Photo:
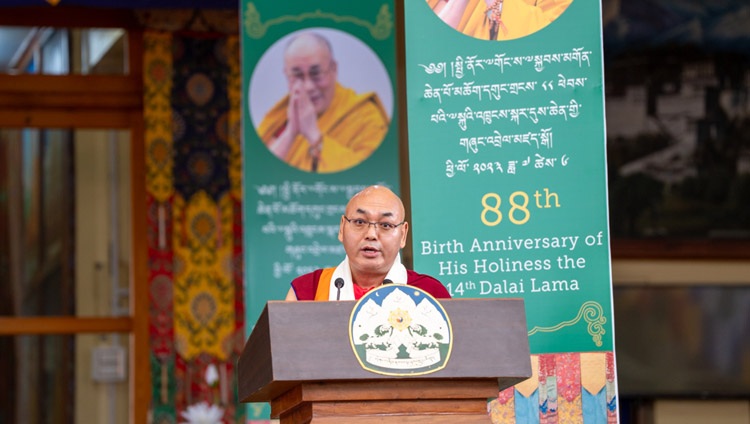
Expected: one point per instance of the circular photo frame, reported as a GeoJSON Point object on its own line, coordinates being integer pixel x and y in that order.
{"type": "Point", "coordinates": [498, 19]}
{"type": "Point", "coordinates": [342, 79]}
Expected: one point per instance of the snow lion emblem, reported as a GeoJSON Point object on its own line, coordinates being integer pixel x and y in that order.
{"type": "Point", "coordinates": [400, 330]}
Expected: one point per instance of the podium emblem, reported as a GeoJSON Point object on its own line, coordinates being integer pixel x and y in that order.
{"type": "Point", "coordinates": [400, 330]}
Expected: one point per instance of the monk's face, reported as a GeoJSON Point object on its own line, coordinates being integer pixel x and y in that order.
{"type": "Point", "coordinates": [371, 251]}
{"type": "Point", "coordinates": [309, 67]}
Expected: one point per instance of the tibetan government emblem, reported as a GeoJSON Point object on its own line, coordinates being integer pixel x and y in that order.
{"type": "Point", "coordinates": [400, 330]}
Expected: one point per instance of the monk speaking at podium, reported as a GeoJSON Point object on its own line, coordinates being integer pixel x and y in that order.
{"type": "Point", "coordinates": [320, 125]}
{"type": "Point", "coordinates": [373, 230]}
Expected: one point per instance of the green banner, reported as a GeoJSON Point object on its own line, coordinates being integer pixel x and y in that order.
{"type": "Point", "coordinates": [512, 131]}
{"type": "Point", "coordinates": [319, 124]}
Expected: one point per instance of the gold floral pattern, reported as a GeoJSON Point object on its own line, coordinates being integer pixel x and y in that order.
{"type": "Point", "coordinates": [203, 285]}
{"type": "Point", "coordinates": [157, 113]}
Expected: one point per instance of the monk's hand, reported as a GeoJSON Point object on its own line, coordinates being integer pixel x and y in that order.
{"type": "Point", "coordinates": [308, 122]}
{"type": "Point", "coordinates": [281, 145]}
{"type": "Point", "coordinates": [292, 114]}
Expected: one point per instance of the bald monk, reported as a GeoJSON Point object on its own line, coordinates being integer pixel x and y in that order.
{"type": "Point", "coordinates": [373, 230]}
{"type": "Point", "coordinates": [321, 126]}
{"type": "Point", "coordinates": [498, 19]}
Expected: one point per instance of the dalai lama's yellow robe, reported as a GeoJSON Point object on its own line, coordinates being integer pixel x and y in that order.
{"type": "Point", "coordinates": [353, 126]}
{"type": "Point", "coordinates": [520, 17]}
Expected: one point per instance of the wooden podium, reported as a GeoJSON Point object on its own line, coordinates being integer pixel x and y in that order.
{"type": "Point", "coordinates": [299, 358]}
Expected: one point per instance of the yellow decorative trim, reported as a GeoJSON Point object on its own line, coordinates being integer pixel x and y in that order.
{"type": "Point", "coordinates": [593, 371]}
{"type": "Point", "coordinates": [234, 91]}
{"type": "Point", "coordinates": [570, 411]}
{"type": "Point", "coordinates": [255, 28]}
{"type": "Point", "coordinates": [204, 291]}
{"type": "Point", "coordinates": [157, 113]}
{"type": "Point", "coordinates": [592, 312]}
{"type": "Point", "coordinates": [500, 413]}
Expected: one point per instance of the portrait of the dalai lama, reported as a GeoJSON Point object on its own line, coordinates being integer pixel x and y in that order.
{"type": "Point", "coordinates": [320, 124]}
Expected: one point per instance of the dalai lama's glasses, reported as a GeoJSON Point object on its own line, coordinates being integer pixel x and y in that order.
{"type": "Point", "coordinates": [315, 74]}
{"type": "Point", "coordinates": [360, 224]}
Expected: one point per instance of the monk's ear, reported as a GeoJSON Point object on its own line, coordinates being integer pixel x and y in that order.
{"type": "Point", "coordinates": [405, 231]}
{"type": "Point", "coordinates": [341, 229]}
{"type": "Point", "coordinates": [334, 67]}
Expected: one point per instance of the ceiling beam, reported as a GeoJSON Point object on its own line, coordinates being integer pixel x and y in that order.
{"type": "Point", "coordinates": [68, 17]}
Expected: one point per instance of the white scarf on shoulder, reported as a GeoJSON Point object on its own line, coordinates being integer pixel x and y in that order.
{"type": "Point", "coordinates": [397, 275]}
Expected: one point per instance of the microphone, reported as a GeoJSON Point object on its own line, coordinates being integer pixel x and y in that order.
{"type": "Point", "coordinates": [339, 283]}
{"type": "Point", "coordinates": [387, 281]}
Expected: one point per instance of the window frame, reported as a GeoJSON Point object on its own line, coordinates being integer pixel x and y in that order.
{"type": "Point", "coordinates": [92, 102]}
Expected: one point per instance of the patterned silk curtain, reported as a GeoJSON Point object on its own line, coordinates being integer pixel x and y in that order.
{"type": "Point", "coordinates": [193, 164]}
{"type": "Point", "coordinates": [564, 388]}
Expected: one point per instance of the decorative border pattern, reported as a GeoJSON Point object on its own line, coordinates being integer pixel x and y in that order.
{"type": "Point", "coordinates": [255, 28]}
{"type": "Point", "coordinates": [592, 312]}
